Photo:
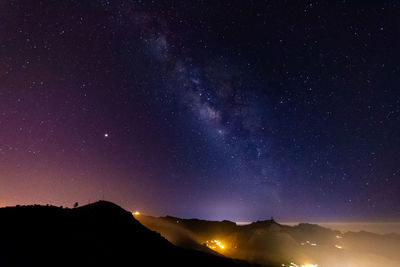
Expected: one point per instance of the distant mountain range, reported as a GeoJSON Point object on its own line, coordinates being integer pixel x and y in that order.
{"type": "Point", "coordinates": [99, 234]}
{"type": "Point", "coordinates": [267, 242]}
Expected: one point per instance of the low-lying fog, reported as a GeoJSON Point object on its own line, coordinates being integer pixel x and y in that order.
{"type": "Point", "coordinates": [373, 227]}
{"type": "Point", "coordinates": [379, 228]}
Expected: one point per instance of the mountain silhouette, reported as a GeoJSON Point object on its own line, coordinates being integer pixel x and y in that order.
{"type": "Point", "coordinates": [99, 234]}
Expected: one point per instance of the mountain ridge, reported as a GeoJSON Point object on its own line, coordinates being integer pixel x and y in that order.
{"type": "Point", "coordinates": [98, 234]}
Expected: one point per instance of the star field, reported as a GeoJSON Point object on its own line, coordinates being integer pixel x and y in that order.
{"type": "Point", "coordinates": [235, 110]}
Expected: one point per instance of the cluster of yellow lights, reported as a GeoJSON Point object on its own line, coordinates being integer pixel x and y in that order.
{"type": "Point", "coordinates": [308, 243]}
{"type": "Point", "coordinates": [136, 213]}
{"type": "Point", "coordinates": [214, 244]}
{"type": "Point", "coordinates": [339, 247]}
{"type": "Point", "coordinates": [292, 264]}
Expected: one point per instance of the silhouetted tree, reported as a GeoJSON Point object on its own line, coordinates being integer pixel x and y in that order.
{"type": "Point", "coordinates": [76, 204]}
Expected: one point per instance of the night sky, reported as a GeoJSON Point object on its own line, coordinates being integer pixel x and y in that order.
{"type": "Point", "coordinates": [228, 109]}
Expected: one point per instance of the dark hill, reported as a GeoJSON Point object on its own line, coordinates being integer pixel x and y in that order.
{"type": "Point", "coordinates": [100, 234]}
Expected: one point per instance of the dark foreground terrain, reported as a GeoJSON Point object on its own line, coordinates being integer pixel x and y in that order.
{"type": "Point", "coordinates": [100, 234]}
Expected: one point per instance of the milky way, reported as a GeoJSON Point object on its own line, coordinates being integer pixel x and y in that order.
{"type": "Point", "coordinates": [236, 110]}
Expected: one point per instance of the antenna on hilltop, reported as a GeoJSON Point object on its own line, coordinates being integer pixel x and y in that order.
{"type": "Point", "coordinates": [102, 192]}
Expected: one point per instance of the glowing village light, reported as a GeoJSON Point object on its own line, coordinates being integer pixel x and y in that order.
{"type": "Point", "coordinates": [215, 244]}
{"type": "Point", "coordinates": [292, 264]}
{"type": "Point", "coordinates": [339, 247]}
{"type": "Point", "coordinates": [308, 243]}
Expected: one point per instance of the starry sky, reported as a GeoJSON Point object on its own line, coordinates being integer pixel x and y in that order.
{"type": "Point", "coordinates": [229, 109]}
